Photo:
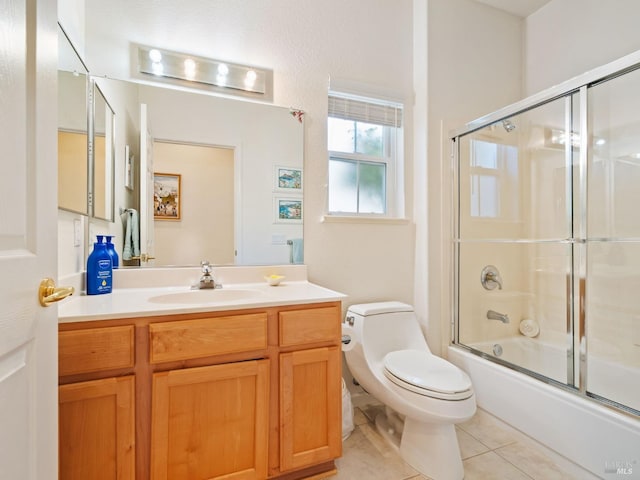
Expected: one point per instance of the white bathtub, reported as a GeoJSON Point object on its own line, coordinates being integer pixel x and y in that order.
{"type": "Point", "coordinates": [597, 438]}
{"type": "Point", "coordinates": [541, 357]}
{"type": "Point", "coordinates": [609, 379]}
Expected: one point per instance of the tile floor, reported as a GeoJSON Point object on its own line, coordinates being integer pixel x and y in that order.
{"type": "Point", "coordinates": [490, 450]}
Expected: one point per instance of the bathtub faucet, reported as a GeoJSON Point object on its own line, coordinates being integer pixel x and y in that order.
{"type": "Point", "coordinates": [493, 315]}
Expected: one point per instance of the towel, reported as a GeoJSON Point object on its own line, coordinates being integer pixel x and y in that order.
{"type": "Point", "coordinates": [297, 251]}
{"type": "Point", "coordinates": [131, 247]}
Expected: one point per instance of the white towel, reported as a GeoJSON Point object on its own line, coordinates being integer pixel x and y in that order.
{"type": "Point", "coordinates": [131, 247]}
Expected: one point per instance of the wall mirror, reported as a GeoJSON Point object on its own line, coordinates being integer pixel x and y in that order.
{"type": "Point", "coordinates": [239, 199]}
{"type": "Point", "coordinates": [101, 154]}
{"type": "Point", "coordinates": [72, 128]}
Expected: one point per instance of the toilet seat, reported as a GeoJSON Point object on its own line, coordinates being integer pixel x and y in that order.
{"type": "Point", "coordinates": [426, 374]}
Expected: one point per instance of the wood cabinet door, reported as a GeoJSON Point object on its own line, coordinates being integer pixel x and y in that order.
{"type": "Point", "coordinates": [97, 430]}
{"type": "Point", "coordinates": [310, 407]}
{"type": "Point", "coordinates": [211, 422]}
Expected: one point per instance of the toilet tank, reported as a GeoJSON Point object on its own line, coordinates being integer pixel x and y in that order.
{"type": "Point", "coordinates": [386, 327]}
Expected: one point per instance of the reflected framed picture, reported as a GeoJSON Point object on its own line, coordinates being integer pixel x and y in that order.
{"type": "Point", "coordinates": [287, 209]}
{"type": "Point", "coordinates": [288, 179]}
{"type": "Point", "coordinates": [166, 196]}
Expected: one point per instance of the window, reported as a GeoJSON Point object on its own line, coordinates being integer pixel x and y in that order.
{"type": "Point", "coordinates": [494, 175]}
{"type": "Point", "coordinates": [365, 144]}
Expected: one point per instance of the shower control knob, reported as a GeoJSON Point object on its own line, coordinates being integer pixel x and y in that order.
{"type": "Point", "coordinates": [490, 278]}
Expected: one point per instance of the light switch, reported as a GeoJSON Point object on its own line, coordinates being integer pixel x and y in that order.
{"type": "Point", "coordinates": [278, 239]}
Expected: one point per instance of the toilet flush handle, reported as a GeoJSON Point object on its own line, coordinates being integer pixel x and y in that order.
{"type": "Point", "coordinates": [350, 320]}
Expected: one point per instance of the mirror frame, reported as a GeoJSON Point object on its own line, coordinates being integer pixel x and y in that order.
{"type": "Point", "coordinates": [109, 145]}
{"type": "Point", "coordinates": [80, 63]}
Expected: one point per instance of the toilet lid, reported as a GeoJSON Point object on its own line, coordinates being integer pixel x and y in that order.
{"type": "Point", "coordinates": [425, 370]}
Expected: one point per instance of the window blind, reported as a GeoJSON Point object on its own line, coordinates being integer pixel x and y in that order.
{"type": "Point", "coordinates": [379, 113]}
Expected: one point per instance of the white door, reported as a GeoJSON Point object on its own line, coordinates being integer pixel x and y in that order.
{"type": "Point", "coordinates": [28, 233]}
{"type": "Point", "coordinates": [147, 206]}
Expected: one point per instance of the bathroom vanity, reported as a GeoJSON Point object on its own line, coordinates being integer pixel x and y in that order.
{"type": "Point", "coordinates": [235, 389]}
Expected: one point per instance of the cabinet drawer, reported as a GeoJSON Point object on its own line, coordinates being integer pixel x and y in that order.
{"type": "Point", "coordinates": [95, 349]}
{"type": "Point", "coordinates": [205, 337]}
{"type": "Point", "coordinates": [299, 327]}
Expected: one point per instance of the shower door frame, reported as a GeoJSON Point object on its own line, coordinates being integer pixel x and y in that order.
{"type": "Point", "coordinates": [576, 286]}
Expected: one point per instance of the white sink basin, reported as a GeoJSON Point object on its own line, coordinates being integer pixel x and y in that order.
{"type": "Point", "coordinates": [205, 296]}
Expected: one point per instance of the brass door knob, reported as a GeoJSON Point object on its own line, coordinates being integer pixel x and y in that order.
{"type": "Point", "coordinates": [48, 293]}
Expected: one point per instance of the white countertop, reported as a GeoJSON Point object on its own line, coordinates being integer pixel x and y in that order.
{"type": "Point", "coordinates": [143, 302]}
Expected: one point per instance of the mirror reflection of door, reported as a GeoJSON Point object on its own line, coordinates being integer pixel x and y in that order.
{"type": "Point", "coordinates": [205, 230]}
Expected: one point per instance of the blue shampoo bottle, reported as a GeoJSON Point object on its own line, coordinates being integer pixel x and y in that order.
{"type": "Point", "coordinates": [99, 269]}
{"type": "Point", "coordinates": [111, 248]}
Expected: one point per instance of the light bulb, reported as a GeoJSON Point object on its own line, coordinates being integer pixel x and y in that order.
{"type": "Point", "coordinates": [223, 70]}
{"type": "Point", "coordinates": [155, 55]}
{"type": "Point", "coordinates": [157, 68]}
{"type": "Point", "coordinates": [250, 78]}
{"type": "Point", "coordinates": [190, 68]}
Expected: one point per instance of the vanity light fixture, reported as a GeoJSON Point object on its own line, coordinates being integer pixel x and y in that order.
{"type": "Point", "coordinates": [201, 72]}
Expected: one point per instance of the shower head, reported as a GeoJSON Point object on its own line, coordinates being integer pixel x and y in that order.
{"type": "Point", "coordinates": [508, 125]}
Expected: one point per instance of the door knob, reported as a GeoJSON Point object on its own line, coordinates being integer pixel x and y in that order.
{"type": "Point", "coordinates": [48, 293]}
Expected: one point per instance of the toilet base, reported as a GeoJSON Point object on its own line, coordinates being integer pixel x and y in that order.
{"type": "Point", "coordinates": [432, 449]}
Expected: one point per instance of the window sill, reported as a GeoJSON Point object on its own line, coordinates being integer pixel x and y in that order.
{"type": "Point", "coordinates": [362, 219]}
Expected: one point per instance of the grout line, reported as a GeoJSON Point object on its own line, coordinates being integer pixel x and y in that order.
{"type": "Point", "coordinates": [515, 466]}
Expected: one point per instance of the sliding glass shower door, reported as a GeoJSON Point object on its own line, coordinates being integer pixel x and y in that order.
{"type": "Point", "coordinates": [547, 238]}
{"type": "Point", "coordinates": [516, 196]}
{"type": "Point", "coordinates": [613, 244]}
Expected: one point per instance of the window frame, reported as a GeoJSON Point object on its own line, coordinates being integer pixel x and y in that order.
{"type": "Point", "coordinates": [391, 159]}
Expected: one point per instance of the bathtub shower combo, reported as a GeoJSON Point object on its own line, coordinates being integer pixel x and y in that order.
{"type": "Point", "coordinates": [547, 265]}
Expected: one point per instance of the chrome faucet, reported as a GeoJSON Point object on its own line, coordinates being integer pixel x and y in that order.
{"type": "Point", "coordinates": [207, 280]}
{"type": "Point", "coordinates": [493, 315]}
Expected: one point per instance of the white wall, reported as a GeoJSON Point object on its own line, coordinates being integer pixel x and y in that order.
{"type": "Point", "coordinates": [71, 17]}
{"type": "Point", "coordinates": [474, 67]}
{"type": "Point", "coordinates": [568, 37]}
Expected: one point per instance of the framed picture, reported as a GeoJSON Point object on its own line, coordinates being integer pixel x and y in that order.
{"type": "Point", "coordinates": [287, 209]}
{"type": "Point", "coordinates": [166, 196]}
{"type": "Point", "coordinates": [288, 179]}
{"type": "Point", "coordinates": [128, 168]}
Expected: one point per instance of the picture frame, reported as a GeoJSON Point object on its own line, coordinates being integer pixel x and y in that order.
{"type": "Point", "coordinates": [129, 169]}
{"type": "Point", "coordinates": [287, 209]}
{"type": "Point", "coordinates": [167, 195]}
{"type": "Point", "coordinates": [287, 179]}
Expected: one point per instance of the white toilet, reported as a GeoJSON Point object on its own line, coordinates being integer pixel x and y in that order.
{"type": "Point", "coordinates": [424, 394]}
